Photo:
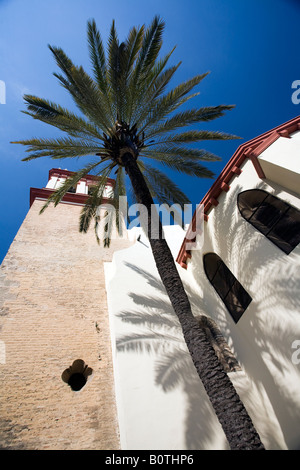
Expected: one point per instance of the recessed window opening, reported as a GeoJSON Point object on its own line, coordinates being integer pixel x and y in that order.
{"type": "Point", "coordinates": [226, 285]}
{"type": "Point", "coordinates": [76, 375]}
{"type": "Point", "coordinates": [273, 217]}
{"type": "Point", "coordinates": [91, 189]}
{"type": "Point", "coordinates": [77, 381]}
{"type": "Point", "coordinates": [72, 190]}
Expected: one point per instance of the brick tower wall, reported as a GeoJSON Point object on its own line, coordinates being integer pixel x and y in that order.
{"type": "Point", "coordinates": [54, 311]}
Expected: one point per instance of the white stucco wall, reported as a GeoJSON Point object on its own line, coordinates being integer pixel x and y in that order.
{"type": "Point", "coordinates": [52, 182]}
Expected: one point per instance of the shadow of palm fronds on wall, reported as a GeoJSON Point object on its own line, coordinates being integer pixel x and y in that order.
{"type": "Point", "coordinates": [161, 334]}
{"type": "Point", "coordinates": [263, 337]}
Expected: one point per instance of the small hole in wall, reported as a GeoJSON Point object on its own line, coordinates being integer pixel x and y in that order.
{"type": "Point", "coordinates": [77, 381]}
{"type": "Point", "coordinates": [76, 375]}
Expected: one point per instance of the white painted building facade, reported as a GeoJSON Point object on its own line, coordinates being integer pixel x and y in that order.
{"type": "Point", "coordinates": [160, 400]}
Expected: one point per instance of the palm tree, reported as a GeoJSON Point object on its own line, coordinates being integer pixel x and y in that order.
{"type": "Point", "coordinates": [129, 116]}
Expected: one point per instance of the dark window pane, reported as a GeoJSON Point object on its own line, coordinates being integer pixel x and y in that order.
{"type": "Point", "coordinates": [72, 190]}
{"type": "Point", "coordinates": [237, 300]}
{"type": "Point", "coordinates": [272, 216]}
{"type": "Point", "coordinates": [286, 232]}
{"type": "Point", "coordinates": [234, 307]}
{"type": "Point", "coordinates": [212, 265]}
{"type": "Point", "coordinates": [268, 213]}
{"type": "Point", "coordinates": [223, 280]}
{"type": "Point", "coordinates": [249, 201]}
{"type": "Point", "coordinates": [91, 189]}
{"type": "Point", "coordinates": [226, 285]}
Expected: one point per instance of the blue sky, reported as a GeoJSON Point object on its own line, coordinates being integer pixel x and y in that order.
{"type": "Point", "coordinates": [251, 48]}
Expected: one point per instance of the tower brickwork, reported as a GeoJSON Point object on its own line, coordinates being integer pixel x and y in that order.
{"type": "Point", "coordinates": [54, 312]}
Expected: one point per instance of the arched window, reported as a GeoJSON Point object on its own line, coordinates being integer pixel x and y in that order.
{"type": "Point", "coordinates": [275, 218]}
{"type": "Point", "coordinates": [226, 285]}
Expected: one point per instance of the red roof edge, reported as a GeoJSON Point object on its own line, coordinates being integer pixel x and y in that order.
{"type": "Point", "coordinates": [251, 149]}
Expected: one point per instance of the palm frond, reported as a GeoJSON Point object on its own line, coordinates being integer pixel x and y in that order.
{"type": "Point", "coordinates": [152, 42]}
{"type": "Point", "coordinates": [97, 55]}
{"type": "Point", "coordinates": [60, 148]}
{"type": "Point", "coordinates": [183, 165]}
{"type": "Point", "coordinates": [111, 219]}
{"type": "Point", "coordinates": [133, 46]}
{"type": "Point", "coordinates": [155, 85]}
{"type": "Point", "coordinates": [104, 224]}
{"type": "Point", "coordinates": [70, 182]}
{"type": "Point", "coordinates": [128, 55]}
{"type": "Point", "coordinates": [196, 136]}
{"type": "Point", "coordinates": [149, 47]}
{"type": "Point", "coordinates": [113, 67]}
{"type": "Point", "coordinates": [89, 211]}
{"type": "Point", "coordinates": [119, 191]}
{"type": "Point", "coordinates": [84, 90]}
{"type": "Point", "coordinates": [168, 103]}
{"type": "Point", "coordinates": [57, 116]}
{"type": "Point", "coordinates": [64, 63]}
{"type": "Point", "coordinates": [188, 117]}
{"type": "Point", "coordinates": [171, 149]}
{"type": "Point", "coordinates": [162, 187]}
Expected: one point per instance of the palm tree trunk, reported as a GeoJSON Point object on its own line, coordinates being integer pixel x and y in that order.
{"type": "Point", "coordinates": [235, 421]}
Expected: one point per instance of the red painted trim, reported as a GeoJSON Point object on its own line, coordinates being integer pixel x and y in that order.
{"type": "Point", "coordinates": [213, 201]}
{"type": "Point", "coordinates": [284, 133]}
{"type": "Point", "coordinates": [225, 187]}
{"type": "Point", "coordinates": [236, 170]}
{"type": "Point", "coordinates": [251, 149]}
{"type": "Point", "coordinates": [257, 166]}
{"type": "Point", "coordinates": [265, 144]}
{"type": "Point", "coordinates": [71, 198]}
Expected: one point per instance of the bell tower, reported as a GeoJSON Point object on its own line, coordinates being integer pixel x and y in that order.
{"type": "Point", "coordinates": [57, 386]}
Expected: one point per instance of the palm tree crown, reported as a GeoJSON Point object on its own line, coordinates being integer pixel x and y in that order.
{"type": "Point", "coordinates": [125, 108]}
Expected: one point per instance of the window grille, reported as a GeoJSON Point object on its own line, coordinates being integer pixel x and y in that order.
{"type": "Point", "coordinates": [273, 217]}
{"type": "Point", "coordinates": [226, 285]}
